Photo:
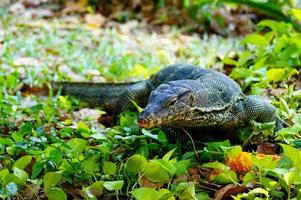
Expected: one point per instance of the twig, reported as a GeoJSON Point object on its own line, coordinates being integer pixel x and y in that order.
{"type": "Point", "coordinates": [193, 145]}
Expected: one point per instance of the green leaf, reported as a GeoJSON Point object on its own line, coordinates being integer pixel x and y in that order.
{"type": "Point", "coordinates": [234, 151]}
{"type": "Point", "coordinates": [113, 185]}
{"type": "Point", "coordinates": [297, 14]}
{"type": "Point", "coordinates": [215, 165]}
{"type": "Point", "coordinates": [155, 172]}
{"type": "Point", "coordinates": [109, 168]}
{"type": "Point", "coordinates": [168, 166]}
{"type": "Point", "coordinates": [21, 175]}
{"type": "Point", "coordinates": [240, 73]}
{"type": "Point", "coordinates": [56, 194]}
{"type": "Point", "coordinates": [22, 162]}
{"type": "Point", "coordinates": [230, 61]}
{"type": "Point", "coordinates": [51, 179]}
{"type": "Point", "coordinates": [217, 146]}
{"type": "Point", "coordinates": [266, 163]}
{"type": "Point", "coordinates": [275, 75]}
{"type": "Point", "coordinates": [202, 195]}
{"type": "Point", "coordinates": [188, 193]}
{"type": "Point", "coordinates": [255, 39]}
{"type": "Point", "coordinates": [226, 177]}
{"type": "Point", "coordinates": [260, 191]}
{"type": "Point", "coordinates": [293, 154]}
{"type": "Point", "coordinates": [83, 129]}
{"type": "Point", "coordinates": [293, 177]}
{"type": "Point", "coordinates": [53, 154]}
{"type": "Point", "coordinates": [182, 167]}
{"type": "Point", "coordinates": [98, 185]}
{"type": "Point", "coordinates": [144, 193]}
{"type": "Point", "coordinates": [243, 58]}
{"type": "Point", "coordinates": [3, 174]}
{"type": "Point", "coordinates": [78, 145]}
{"type": "Point", "coordinates": [135, 164]}
{"type": "Point", "coordinates": [90, 165]}
{"type": "Point", "coordinates": [37, 169]}
{"type": "Point", "coordinates": [167, 156]}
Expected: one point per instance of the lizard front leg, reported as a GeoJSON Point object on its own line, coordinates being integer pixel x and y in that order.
{"type": "Point", "coordinates": [138, 93]}
{"type": "Point", "coordinates": [258, 109]}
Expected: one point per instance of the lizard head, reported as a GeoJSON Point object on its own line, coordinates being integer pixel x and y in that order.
{"type": "Point", "coordinates": [167, 103]}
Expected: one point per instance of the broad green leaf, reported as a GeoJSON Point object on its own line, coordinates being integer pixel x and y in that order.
{"type": "Point", "coordinates": [275, 75]}
{"type": "Point", "coordinates": [226, 177]}
{"type": "Point", "coordinates": [109, 168]}
{"type": "Point", "coordinates": [56, 194]}
{"type": "Point", "coordinates": [13, 178]}
{"type": "Point", "coordinates": [78, 145]}
{"type": "Point", "coordinates": [3, 174]}
{"type": "Point", "coordinates": [53, 154]}
{"type": "Point", "coordinates": [240, 73]}
{"type": "Point", "coordinates": [234, 151]}
{"type": "Point", "coordinates": [182, 167]}
{"type": "Point", "coordinates": [202, 196]}
{"type": "Point", "coordinates": [155, 172]}
{"type": "Point", "coordinates": [90, 165]}
{"type": "Point", "coordinates": [266, 163]}
{"type": "Point", "coordinates": [181, 186]}
{"type": "Point", "coordinates": [217, 146]}
{"type": "Point", "coordinates": [215, 165]}
{"type": "Point", "coordinates": [37, 169]}
{"type": "Point", "coordinates": [188, 193]}
{"type": "Point", "coordinates": [230, 61]}
{"type": "Point", "coordinates": [243, 58]}
{"type": "Point", "coordinates": [144, 193]}
{"type": "Point", "coordinates": [297, 14]}
{"type": "Point", "coordinates": [113, 185]}
{"type": "Point", "coordinates": [293, 177]}
{"type": "Point", "coordinates": [260, 191]}
{"type": "Point", "coordinates": [293, 154]}
{"type": "Point", "coordinates": [98, 185]}
{"type": "Point", "coordinates": [168, 166]}
{"type": "Point", "coordinates": [21, 174]}
{"type": "Point", "coordinates": [135, 164]}
{"type": "Point", "coordinates": [83, 128]}
{"type": "Point", "coordinates": [248, 178]}
{"type": "Point", "coordinates": [51, 179]}
{"type": "Point", "coordinates": [255, 39]}
{"type": "Point", "coordinates": [6, 141]}
{"type": "Point", "coordinates": [22, 162]}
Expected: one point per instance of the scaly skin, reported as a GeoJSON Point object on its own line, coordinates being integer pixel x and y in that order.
{"type": "Point", "coordinates": [212, 101]}
{"type": "Point", "coordinates": [185, 96]}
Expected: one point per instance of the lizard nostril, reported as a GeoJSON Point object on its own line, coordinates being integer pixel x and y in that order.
{"type": "Point", "coordinates": [141, 122]}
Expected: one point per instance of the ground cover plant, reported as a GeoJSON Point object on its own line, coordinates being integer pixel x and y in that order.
{"type": "Point", "coordinates": [53, 146]}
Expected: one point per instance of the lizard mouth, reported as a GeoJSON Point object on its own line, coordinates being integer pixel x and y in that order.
{"type": "Point", "coordinates": [148, 124]}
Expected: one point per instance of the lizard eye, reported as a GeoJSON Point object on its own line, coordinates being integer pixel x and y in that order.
{"type": "Point", "coordinates": [171, 102]}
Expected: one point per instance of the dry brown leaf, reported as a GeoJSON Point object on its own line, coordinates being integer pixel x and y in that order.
{"type": "Point", "coordinates": [228, 190]}
{"type": "Point", "coordinates": [267, 148]}
{"type": "Point", "coordinates": [180, 178]}
{"type": "Point", "coordinates": [144, 182]}
{"type": "Point", "coordinates": [213, 174]}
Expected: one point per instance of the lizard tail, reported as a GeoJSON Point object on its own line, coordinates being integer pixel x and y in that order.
{"type": "Point", "coordinates": [95, 94]}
